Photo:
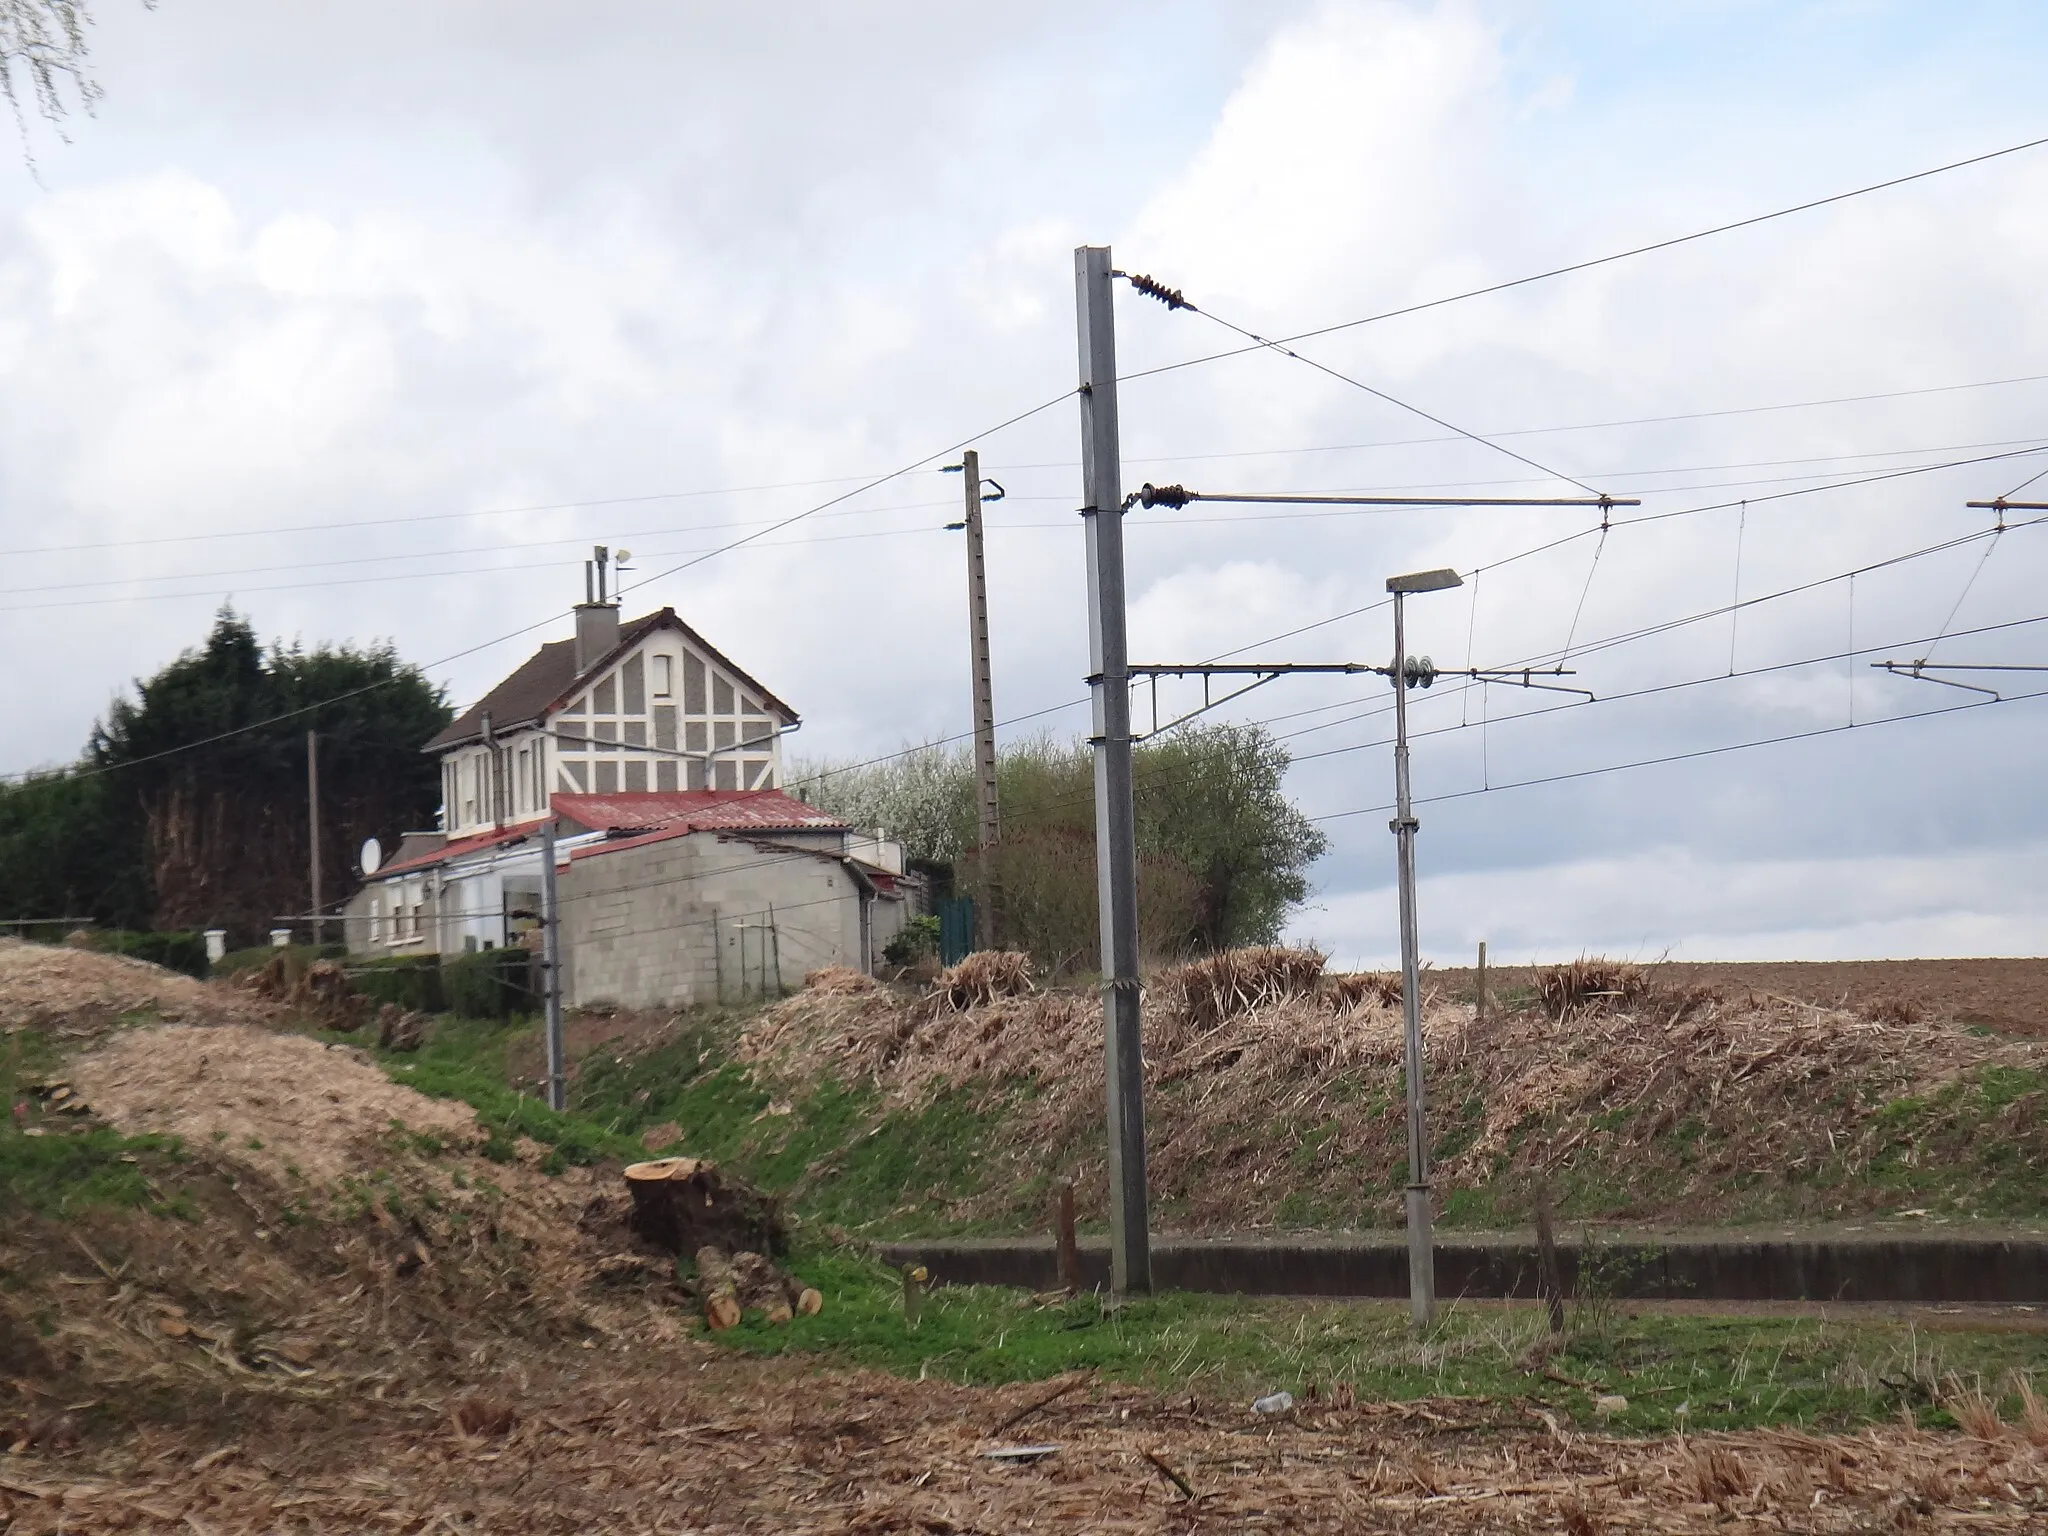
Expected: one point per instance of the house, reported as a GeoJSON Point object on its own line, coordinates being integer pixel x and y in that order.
{"type": "Point", "coordinates": [684, 873]}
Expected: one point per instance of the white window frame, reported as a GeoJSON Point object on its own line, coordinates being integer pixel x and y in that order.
{"type": "Point", "coordinates": [662, 685]}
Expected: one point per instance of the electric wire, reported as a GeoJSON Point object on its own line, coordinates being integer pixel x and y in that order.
{"type": "Point", "coordinates": [94, 770]}
{"type": "Point", "coordinates": [1607, 260]}
{"type": "Point", "coordinates": [1689, 756]}
{"type": "Point", "coordinates": [1379, 394]}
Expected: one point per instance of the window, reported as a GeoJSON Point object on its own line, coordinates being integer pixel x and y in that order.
{"type": "Point", "coordinates": [524, 779]}
{"type": "Point", "coordinates": [469, 776]}
{"type": "Point", "coordinates": [664, 676]}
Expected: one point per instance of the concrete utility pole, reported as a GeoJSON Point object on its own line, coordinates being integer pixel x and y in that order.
{"type": "Point", "coordinates": [313, 830]}
{"type": "Point", "coordinates": [1421, 1250]}
{"type": "Point", "coordinates": [1116, 851]}
{"type": "Point", "coordinates": [551, 967]}
{"type": "Point", "coordinates": [984, 704]}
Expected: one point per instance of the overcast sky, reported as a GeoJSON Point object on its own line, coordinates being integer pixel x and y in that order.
{"type": "Point", "coordinates": [371, 318]}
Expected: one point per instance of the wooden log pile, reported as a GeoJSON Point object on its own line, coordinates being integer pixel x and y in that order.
{"type": "Point", "coordinates": [729, 1285]}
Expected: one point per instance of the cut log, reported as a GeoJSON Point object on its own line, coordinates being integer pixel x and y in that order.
{"type": "Point", "coordinates": [747, 1282]}
{"type": "Point", "coordinates": [718, 1289]}
{"type": "Point", "coordinates": [762, 1285]}
{"type": "Point", "coordinates": [682, 1204]}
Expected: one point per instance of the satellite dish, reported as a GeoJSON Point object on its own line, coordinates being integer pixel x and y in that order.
{"type": "Point", "coordinates": [372, 855]}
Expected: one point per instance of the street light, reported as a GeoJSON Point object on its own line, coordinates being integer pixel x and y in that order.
{"type": "Point", "coordinates": [1405, 674]}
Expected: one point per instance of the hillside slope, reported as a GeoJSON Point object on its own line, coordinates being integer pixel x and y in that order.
{"type": "Point", "coordinates": [1281, 1106]}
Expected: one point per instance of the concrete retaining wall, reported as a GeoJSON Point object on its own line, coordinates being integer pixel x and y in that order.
{"type": "Point", "coordinates": [1842, 1267]}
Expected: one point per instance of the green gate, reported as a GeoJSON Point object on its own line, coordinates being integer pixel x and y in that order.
{"type": "Point", "coordinates": [956, 929]}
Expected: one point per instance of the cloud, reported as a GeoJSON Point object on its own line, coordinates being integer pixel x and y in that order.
{"type": "Point", "coordinates": [731, 262]}
{"type": "Point", "coordinates": [1674, 903]}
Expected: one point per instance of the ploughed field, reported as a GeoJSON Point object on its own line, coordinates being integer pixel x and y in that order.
{"type": "Point", "coordinates": [2006, 995]}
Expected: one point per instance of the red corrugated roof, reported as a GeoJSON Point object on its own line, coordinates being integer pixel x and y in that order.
{"type": "Point", "coordinates": [458, 848]}
{"type": "Point", "coordinates": [696, 810]}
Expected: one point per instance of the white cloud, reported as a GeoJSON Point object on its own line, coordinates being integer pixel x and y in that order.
{"type": "Point", "coordinates": [287, 279]}
{"type": "Point", "coordinates": [1674, 903]}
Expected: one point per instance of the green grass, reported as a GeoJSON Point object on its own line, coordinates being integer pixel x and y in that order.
{"type": "Point", "coordinates": [831, 1152]}
{"type": "Point", "coordinates": [1675, 1370]}
{"type": "Point", "coordinates": [467, 1060]}
{"type": "Point", "coordinates": [70, 1171]}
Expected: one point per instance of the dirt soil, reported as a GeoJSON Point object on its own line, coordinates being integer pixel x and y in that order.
{"type": "Point", "coordinates": [2010, 996]}
{"type": "Point", "coordinates": [700, 1441]}
{"type": "Point", "coordinates": [80, 992]}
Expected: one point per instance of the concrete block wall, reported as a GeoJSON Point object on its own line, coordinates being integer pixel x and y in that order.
{"type": "Point", "coordinates": [675, 924]}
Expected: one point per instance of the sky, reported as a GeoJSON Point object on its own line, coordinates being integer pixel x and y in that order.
{"type": "Point", "coordinates": [372, 319]}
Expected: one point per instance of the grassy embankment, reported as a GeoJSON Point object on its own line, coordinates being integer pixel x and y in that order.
{"type": "Point", "coordinates": [845, 1165]}
{"type": "Point", "coordinates": [1974, 1149]}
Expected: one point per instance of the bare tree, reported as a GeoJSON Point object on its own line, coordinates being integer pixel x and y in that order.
{"type": "Point", "coordinates": [42, 53]}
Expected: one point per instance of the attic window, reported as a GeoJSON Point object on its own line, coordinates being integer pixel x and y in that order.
{"type": "Point", "coordinates": [664, 676]}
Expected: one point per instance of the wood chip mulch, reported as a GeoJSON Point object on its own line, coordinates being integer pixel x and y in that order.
{"type": "Point", "coordinates": [710, 1443]}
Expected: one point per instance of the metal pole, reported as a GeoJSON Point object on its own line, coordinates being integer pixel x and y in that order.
{"type": "Point", "coordinates": [1116, 851]}
{"type": "Point", "coordinates": [313, 829]}
{"type": "Point", "coordinates": [1421, 1261]}
{"type": "Point", "coordinates": [551, 963]}
{"type": "Point", "coordinates": [984, 704]}
{"type": "Point", "coordinates": [1479, 1003]}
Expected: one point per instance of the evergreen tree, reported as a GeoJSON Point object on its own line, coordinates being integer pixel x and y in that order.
{"type": "Point", "coordinates": [189, 810]}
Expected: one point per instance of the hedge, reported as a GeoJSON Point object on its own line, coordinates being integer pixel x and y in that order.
{"type": "Point", "coordinates": [413, 982]}
{"type": "Point", "coordinates": [176, 951]}
{"type": "Point", "coordinates": [490, 984]}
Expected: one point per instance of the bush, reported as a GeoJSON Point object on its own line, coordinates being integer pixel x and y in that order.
{"type": "Point", "coordinates": [175, 951]}
{"type": "Point", "coordinates": [491, 984]}
{"type": "Point", "coordinates": [919, 940]}
{"type": "Point", "coordinates": [412, 982]}
{"type": "Point", "coordinates": [256, 956]}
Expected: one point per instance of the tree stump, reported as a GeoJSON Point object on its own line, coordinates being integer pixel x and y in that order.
{"type": "Point", "coordinates": [682, 1204]}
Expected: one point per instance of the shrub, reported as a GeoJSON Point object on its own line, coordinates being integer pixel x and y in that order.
{"type": "Point", "coordinates": [411, 982]}
{"type": "Point", "coordinates": [490, 984]}
{"type": "Point", "coordinates": [919, 940]}
{"type": "Point", "coordinates": [175, 951]}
